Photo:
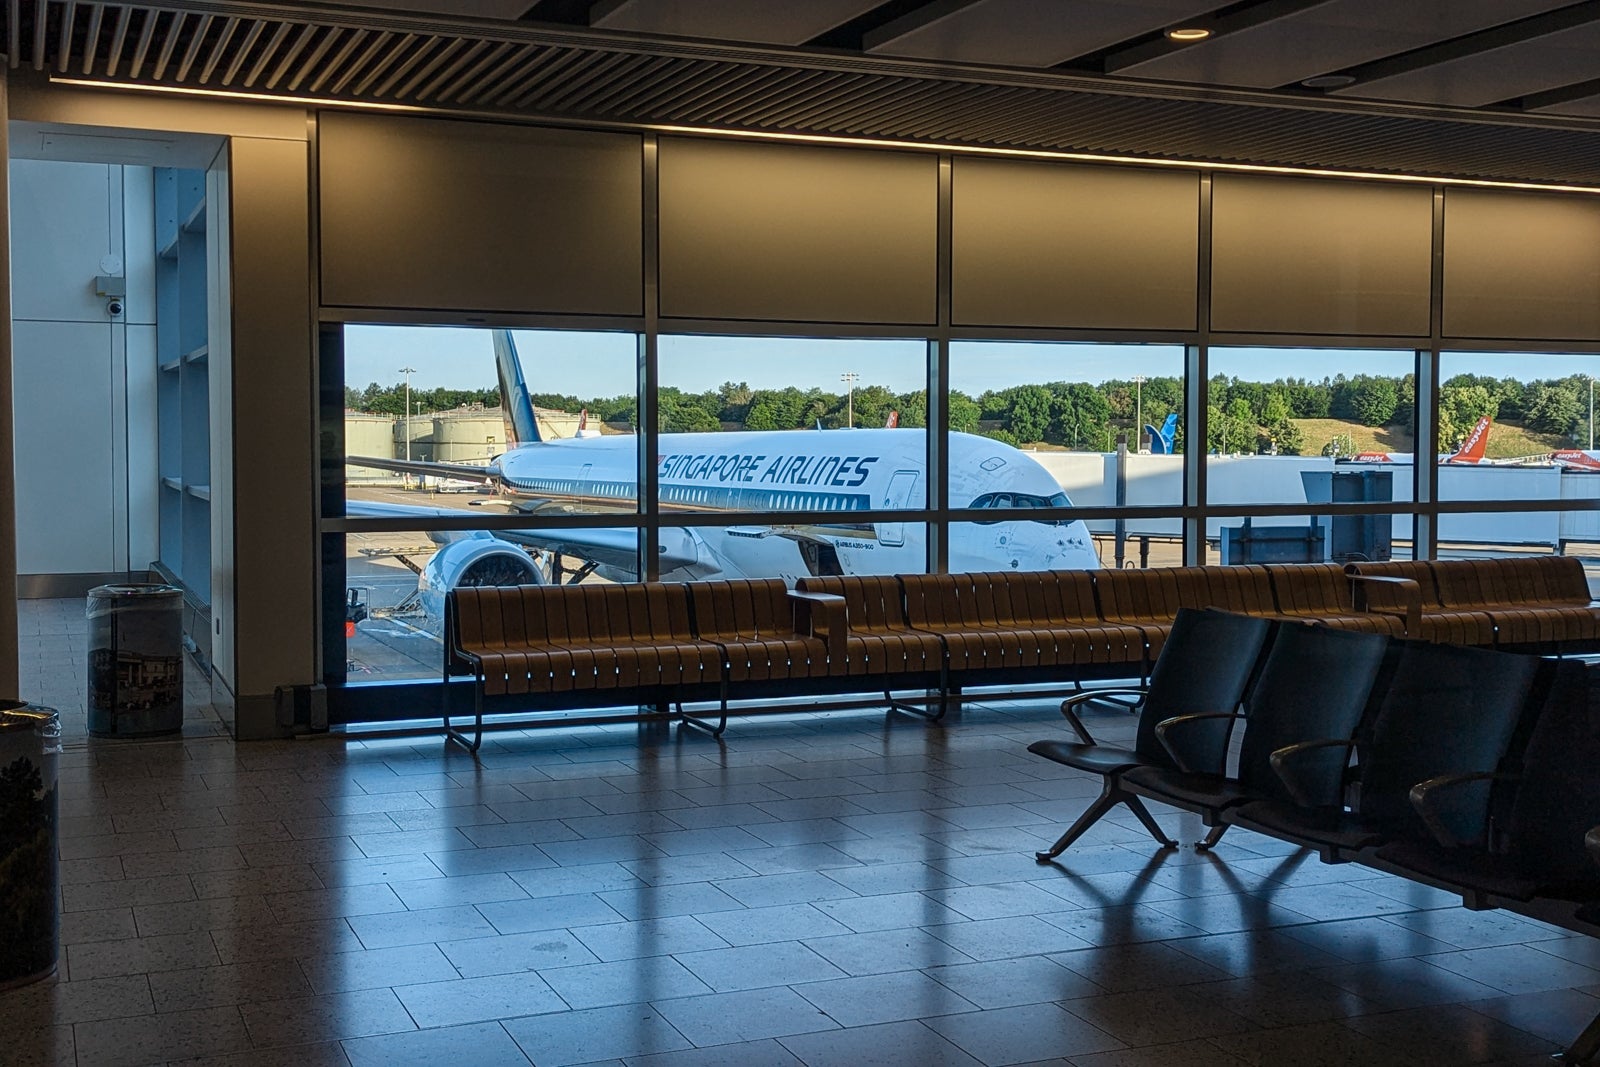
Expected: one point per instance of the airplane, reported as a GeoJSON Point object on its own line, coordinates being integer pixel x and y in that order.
{"type": "Point", "coordinates": [1471, 450]}
{"type": "Point", "coordinates": [788, 470]}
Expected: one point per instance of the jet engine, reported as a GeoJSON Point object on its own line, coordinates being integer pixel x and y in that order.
{"type": "Point", "coordinates": [478, 558]}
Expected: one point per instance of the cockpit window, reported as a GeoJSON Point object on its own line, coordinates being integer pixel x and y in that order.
{"type": "Point", "coordinates": [989, 501]}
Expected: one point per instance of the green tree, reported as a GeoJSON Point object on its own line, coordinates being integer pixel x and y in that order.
{"type": "Point", "coordinates": [775, 410]}
{"type": "Point", "coordinates": [1461, 406]}
{"type": "Point", "coordinates": [1030, 412]}
{"type": "Point", "coordinates": [1373, 400]}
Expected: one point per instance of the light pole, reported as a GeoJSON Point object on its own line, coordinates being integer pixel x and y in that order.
{"type": "Point", "coordinates": [408, 371]}
{"type": "Point", "coordinates": [849, 378]}
{"type": "Point", "coordinates": [1591, 413]}
{"type": "Point", "coordinates": [1138, 410]}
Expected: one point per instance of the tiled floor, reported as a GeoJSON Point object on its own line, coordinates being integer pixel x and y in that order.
{"type": "Point", "coordinates": [825, 889]}
{"type": "Point", "coordinates": [53, 651]}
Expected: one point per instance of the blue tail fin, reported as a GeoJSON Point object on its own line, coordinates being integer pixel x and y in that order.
{"type": "Point", "coordinates": [1161, 440]}
{"type": "Point", "coordinates": [521, 427]}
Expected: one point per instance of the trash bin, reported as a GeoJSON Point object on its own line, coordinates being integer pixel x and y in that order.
{"type": "Point", "coordinates": [30, 744]}
{"type": "Point", "coordinates": [135, 660]}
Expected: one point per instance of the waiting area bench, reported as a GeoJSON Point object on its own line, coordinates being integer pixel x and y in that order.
{"type": "Point", "coordinates": [662, 644]}
{"type": "Point", "coordinates": [1470, 770]}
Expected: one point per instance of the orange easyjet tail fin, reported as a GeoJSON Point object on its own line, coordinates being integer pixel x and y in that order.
{"type": "Point", "coordinates": [1471, 450]}
{"type": "Point", "coordinates": [893, 420]}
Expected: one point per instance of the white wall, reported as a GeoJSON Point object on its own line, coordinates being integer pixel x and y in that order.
{"type": "Point", "coordinates": [84, 381]}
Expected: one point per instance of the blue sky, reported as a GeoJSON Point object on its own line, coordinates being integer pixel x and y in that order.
{"type": "Point", "coordinates": [602, 364]}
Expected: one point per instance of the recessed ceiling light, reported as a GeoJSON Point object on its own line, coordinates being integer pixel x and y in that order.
{"type": "Point", "coordinates": [1188, 33]}
{"type": "Point", "coordinates": [1329, 81]}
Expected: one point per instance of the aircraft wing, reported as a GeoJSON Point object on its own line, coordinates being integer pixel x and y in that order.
{"type": "Point", "coordinates": [465, 472]}
{"type": "Point", "coordinates": [613, 548]}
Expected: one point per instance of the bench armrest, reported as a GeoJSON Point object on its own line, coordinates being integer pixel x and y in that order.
{"type": "Point", "coordinates": [1069, 707]}
{"type": "Point", "coordinates": [1591, 842]}
{"type": "Point", "coordinates": [1293, 762]}
{"type": "Point", "coordinates": [1198, 743]}
{"type": "Point", "coordinates": [1433, 800]}
{"type": "Point", "coordinates": [821, 615]}
{"type": "Point", "coordinates": [1408, 589]}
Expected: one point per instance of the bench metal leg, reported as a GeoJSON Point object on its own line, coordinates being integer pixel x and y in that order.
{"type": "Point", "coordinates": [1111, 794]}
{"type": "Point", "coordinates": [1212, 838]}
{"type": "Point", "coordinates": [922, 712]}
{"type": "Point", "coordinates": [459, 737]}
{"type": "Point", "coordinates": [700, 724]}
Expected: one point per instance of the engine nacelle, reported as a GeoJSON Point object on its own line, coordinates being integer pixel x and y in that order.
{"type": "Point", "coordinates": [478, 558]}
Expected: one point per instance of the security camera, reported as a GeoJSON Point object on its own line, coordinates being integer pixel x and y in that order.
{"type": "Point", "coordinates": [114, 307]}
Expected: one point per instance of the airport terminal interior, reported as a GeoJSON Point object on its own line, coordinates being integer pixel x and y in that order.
{"type": "Point", "coordinates": [323, 313]}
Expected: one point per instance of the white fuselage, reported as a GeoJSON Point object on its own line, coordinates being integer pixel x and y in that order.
{"type": "Point", "coordinates": [841, 471]}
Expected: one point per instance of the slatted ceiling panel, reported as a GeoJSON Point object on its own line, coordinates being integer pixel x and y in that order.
{"type": "Point", "coordinates": [519, 68]}
{"type": "Point", "coordinates": [1327, 37]}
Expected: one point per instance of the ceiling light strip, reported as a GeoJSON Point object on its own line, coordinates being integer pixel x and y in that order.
{"type": "Point", "coordinates": [1098, 158]}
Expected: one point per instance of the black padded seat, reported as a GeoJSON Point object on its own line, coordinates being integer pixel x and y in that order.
{"type": "Point", "coordinates": [1542, 802]}
{"type": "Point", "coordinates": [1447, 710]}
{"type": "Point", "coordinates": [1206, 664]}
{"type": "Point", "coordinates": [1316, 683]}
{"type": "Point", "coordinates": [1185, 789]}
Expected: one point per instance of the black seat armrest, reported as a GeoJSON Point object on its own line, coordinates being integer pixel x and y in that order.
{"type": "Point", "coordinates": [1441, 800]}
{"type": "Point", "coordinates": [1069, 707]}
{"type": "Point", "coordinates": [1198, 743]}
{"type": "Point", "coordinates": [1294, 766]}
{"type": "Point", "coordinates": [1591, 841]}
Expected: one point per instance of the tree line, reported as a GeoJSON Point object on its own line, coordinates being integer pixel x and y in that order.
{"type": "Point", "coordinates": [1244, 416]}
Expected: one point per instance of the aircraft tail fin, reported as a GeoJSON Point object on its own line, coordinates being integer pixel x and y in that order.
{"type": "Point", "coordinates": [1472, 448]}
{"type": "Point", "coordinates": [515, 403]}
{"type": "Point", "coordinates": [1161, 440]}
{"type": "Point", "coordinates": [892, 421]}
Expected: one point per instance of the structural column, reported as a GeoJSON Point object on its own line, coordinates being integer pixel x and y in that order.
{"type": "Point", "coordinates": [9, 679]}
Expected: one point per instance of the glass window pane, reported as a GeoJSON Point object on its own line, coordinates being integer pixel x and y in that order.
{"type": "Point", "coordinates": [1310, 538]}
{"type": "Point", "coordinates": [423, 405]}
{"type": "Point", "coordinates": [1516, 426]}
{"type": "Point", "coordinates": [1064, 406]}
{"type": "Point", "coordinates": [395, 584]}
{"type": "Point", "coordinates": [1466, 535]}
{"type": "Point", "coordinates": [712, 553]}
{"type": "Point", "coordinates": [792, 424]}
{"type": "Point", "coordinates": [1283, 421]}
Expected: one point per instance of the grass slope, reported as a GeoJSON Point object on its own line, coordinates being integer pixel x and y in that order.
{"type": "Point", "coordinates": [1507, 440]}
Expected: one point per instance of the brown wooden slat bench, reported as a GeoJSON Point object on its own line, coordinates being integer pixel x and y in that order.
{"type": "Point", "coordinates": [667, 643]}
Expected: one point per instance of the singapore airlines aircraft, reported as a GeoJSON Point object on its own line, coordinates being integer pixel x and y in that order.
{"type": "Point", "coordinates": [839, 471]}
